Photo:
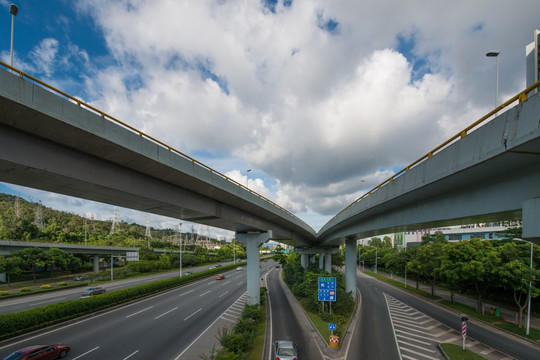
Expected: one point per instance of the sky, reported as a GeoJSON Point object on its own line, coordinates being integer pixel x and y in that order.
{"type": "Point", "coordinates": [321, 100]}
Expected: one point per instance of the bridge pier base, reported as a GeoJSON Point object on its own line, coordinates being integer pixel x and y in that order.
{"type": "Point", "coordinates": [252, 242]}
{"type": "Point", "coordinates": [350, 267]}
{"type": "Point", "coordinates": [96, 263]}
{"type": "Point", "coordinates": [304, 261]}
{"type": "Point", "coordinates": [531, 220]}
{"type": "Point", "coordinates": [328, 263]}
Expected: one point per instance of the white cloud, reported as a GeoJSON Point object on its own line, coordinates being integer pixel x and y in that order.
{"type": "Point", "coordinates": [315, 111]}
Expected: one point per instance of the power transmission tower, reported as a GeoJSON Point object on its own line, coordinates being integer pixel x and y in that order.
{"type": "Point", "coordinates": [115, 220]}
{"type": "Point", "coordinates": [148, 234]}
{"type": "Point", "coordinates": [38, 219]}
{"type": "Point", "coordinates": [17, 207]}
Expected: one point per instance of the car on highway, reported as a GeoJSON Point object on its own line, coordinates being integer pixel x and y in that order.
{"type": "Point", "coordinates": [218, 265]}
{"type": "Point", "coordinates": [40, 352]}
{"type": "Point", "coordinates": [220, 276]}
{"type": "Point", "coordinates": [239, 268]}
{"type": "Point", "coordinates": [188, 273]}
{"type": "Point", "coordinates": [285, 350]}
{"type": "Point", "coordinates": [91, 291]}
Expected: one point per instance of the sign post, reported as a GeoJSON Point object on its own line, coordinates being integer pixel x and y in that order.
{"type": "Point", "coordinates": [464, 319]}
{"type": "Point", "coordinates": [327, 290]}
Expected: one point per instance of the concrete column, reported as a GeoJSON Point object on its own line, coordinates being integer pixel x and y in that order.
{"type": "Point", "coordinates": [313, 259]}
{"type": "Point", "coordinates": [321, 261]}
{"type": "Point", "coordinates": [304, 260]}
{"type": "Point", "coordinates": [253, 273]}
{"type": "Point", "coordinates": [96, 263]}
{"type": "Point", "coordinates": [328, 263]}
{"type": "Point", "coordinates": [350, 267]}
{"type": "Point", "coordinates": [531, 220]}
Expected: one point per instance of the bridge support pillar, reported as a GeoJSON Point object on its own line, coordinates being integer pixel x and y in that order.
{"type": "Point", "coordinates": [321, 261]}
{"type": "Point", "coordinates": [350, 267]}
{"type": "Point", "coordinates": [304, 261]}
{"type": "Point", "coordinates": [253, 273]}
{"type": "Point", "coordinates": [531, 220]}
{"type": "Point", "coordinates": [96, 263]}
{"type": "Point", "coordinates": [328, 263]}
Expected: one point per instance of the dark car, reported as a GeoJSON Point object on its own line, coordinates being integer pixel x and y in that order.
{"type": "Point", "coordinates": [40, 352]}
{"type": "Point", "coordinates": [91, 291]}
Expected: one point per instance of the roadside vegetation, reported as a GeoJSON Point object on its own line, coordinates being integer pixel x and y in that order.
{"type": "Point", "coordinates": [304, 285]}
{"type": "Point", "coordinates": [455, 352]}
{"type": "Point", "coordinates": [26, 321]}
{"type": "Point", "coordinates": [497, 270]}
{"type": "Point", "coordinates": [245, 341]}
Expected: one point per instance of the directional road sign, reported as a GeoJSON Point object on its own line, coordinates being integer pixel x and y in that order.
{"type": "Point", "coordinates": [327, 289]}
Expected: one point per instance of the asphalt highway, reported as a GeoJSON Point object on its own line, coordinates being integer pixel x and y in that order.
{"type": "Point", "coordinates": [32, 301]}
{"type": "Point", "coordinates": [158, 327]}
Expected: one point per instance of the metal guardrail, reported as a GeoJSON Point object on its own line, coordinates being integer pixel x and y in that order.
{"type": "Point", "coordinates": [522, 96]}
{"type": "Point", "coordinates": [106, 116]}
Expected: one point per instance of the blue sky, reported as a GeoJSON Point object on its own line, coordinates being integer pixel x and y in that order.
{"type": "Point", "coordinates": [319, 99]}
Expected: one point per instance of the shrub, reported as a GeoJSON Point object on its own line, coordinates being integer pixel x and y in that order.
{"type": "Point", "coordinates": [46, 286]}
{"type": "Point", "coordinates": [63, 283]}
{"type": "Point", "coordinates": [25, 289]}
{"type": "Point", "coordinates": [4, 293]}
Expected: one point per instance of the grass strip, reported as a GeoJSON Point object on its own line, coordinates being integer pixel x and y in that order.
{"type": "Point", "coordinates": [534, 334]}
{"type": "Point", "coordinates": [456, 352]}
{"type": "Point", "coordinates": [402, 285]}
{"type": "Point", "coordinates": [254, 352]}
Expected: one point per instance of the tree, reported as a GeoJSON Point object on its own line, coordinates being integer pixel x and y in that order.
{"type": "Point", "coordinates": [515, 274]}
{"type": "Point", "coordinates": [32, 257]}
{"type": "Point", "coordinates": [11, 265]}
{"type": "Point", "coordinates": [473, 262]}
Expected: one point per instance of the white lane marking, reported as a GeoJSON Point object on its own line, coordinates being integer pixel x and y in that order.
{"type": "Point", "coordinates": [187, 292]}
{"type": "Point", "coordinates": [192, 314]}
{"type": "Point", "coordinates": [157, 317]}
{"type": "Point", "coordinates": [131, 355]}
{"type": "Point", "coordinates": [205, 293]}
{"type": "Point", "coordinates": [198, 337]}
{"type": "Point", "coordinates": [45, 302]}
{"type": "Point", "coordinates": [138, 312]}
{"type": "Point", "coordinates": [224, 293]}
{"type": "Point", "coordinates": [88, 352]}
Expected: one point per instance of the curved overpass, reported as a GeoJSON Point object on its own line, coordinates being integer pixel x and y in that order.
{"type": "Point", "coordinates": [54, 142]}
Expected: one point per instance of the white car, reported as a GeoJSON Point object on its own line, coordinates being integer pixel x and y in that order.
{"type": "Point", "coordinates": [285, 350]}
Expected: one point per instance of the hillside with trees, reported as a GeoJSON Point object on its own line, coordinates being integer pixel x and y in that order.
{"type": "Point", "coordinates": [18, 221]}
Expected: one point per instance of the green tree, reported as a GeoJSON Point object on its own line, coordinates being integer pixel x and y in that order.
{"type": "Point", "coordinates": [12, 265]}
{"type": "Point", "coordinates": [33, 257]}
{"type": "Point", "coordinates": [515, 274]}
{"type": "Point", "coordinates": [474, 262]}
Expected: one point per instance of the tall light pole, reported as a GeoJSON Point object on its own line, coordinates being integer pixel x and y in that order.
{"type": "Point", "coordinates": [247, 177]}
{"type": "Point", "coordinates": [495, 54]}
{"type": "Point", "coordinates": [13, 10]}
{"type": "Point", "coordinates": [530, 285]}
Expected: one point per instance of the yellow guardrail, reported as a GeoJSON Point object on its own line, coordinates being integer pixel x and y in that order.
{"type": "Point", "coordinates": [522, 96]}
{"type": "Point", "coordinates": [142, 134]}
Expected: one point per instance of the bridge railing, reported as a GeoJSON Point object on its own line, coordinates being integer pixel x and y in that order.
{"type": "Point", "coordinates": [106, 116]}
{"type": "Point", "coordinates": [522, 96]}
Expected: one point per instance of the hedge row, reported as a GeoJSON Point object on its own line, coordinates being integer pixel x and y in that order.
{"type": "Point", "coordinates": [235, 343]}
{"type": "Point", "coordinates": [20, 323]}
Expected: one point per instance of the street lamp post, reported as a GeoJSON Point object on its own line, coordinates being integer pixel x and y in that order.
{"type": "Point", "coordinates": [530, 285]}
{"type": "Point", "coordinates": [495, 54]}
{"type": "Point", "coordinates": [247, 177]}
{"type": "Point", "coordinates": [13, 10]}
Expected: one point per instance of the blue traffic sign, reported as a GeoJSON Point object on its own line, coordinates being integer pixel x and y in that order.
{"type": "Point", "coordinates": [332, 327]}
{"type": "Point", "coordinates": [327, 289]}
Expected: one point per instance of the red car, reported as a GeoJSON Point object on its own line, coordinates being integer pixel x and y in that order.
{"type": "Point", "coordinates": [40, 352]}
{"type": "Point", "coordinates": [220, 277]}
